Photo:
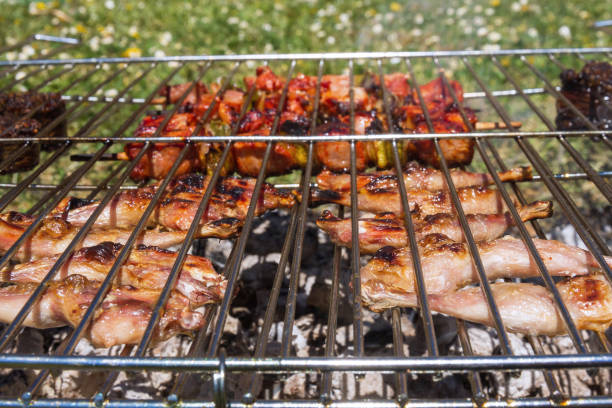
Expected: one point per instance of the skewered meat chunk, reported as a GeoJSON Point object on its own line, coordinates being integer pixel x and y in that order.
{"type": "Point", "coordinates": [55, 234]}
{"type": "Point", "coordinates": [43, 108]}
{"type": "Point", "coordinates": [177, 207]}
{"type": "Point", "coordinates": [19, 129]}
{"type": "Point", "coordinates": [375, 199]}
{"type": "Point", "coordinates": [145, 268]}
{"type": "Point", "coordinates": [590, 90]}
{"type": "Point", "coordinates": [419, 177]}
{"type": "Point", "coordinates": [388, 280]}
{"type": "Point", "coordinates": [122, 317]}
{"type": "Point", "coordinates": [388, 230]}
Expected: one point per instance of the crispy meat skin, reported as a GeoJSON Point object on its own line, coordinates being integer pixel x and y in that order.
{"type": "Point", "coordinates": [145, 268]}
{"type": "Point", "coordinates": [388, 279]}
{"type": "Point", "coordinates": [388, 230]}
{"type": "Point", "coordinates": [419, 177]}
{"type": "Point", "coordinates": [121, 318]}
{"type": "Point", "coordinates": [590, 90]}
{"type": "Point", "coordinates": [55, 234]}
{"type": "Point", "coordinates": [177, 207]}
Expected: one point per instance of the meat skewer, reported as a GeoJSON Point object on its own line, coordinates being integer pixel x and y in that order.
{"type": "Point", "coordinates": [55, 234]}
{"type": "Point", "coordinates": [528, 308]}
{"type": "Point", "coordinates": [388, 230]}
{"type": "Point", "coordinates": [145, 268]}
{"type": "Point", "coordinates": [176, 209]}
{"type": "Point", "coordinates": [371, 198]}
{"type": "Point", "coordinates": [122, 317]}
{"type": "Point", "coordinates": [419, 177]}
{"type": "Point", "coordinates": [447, 266]}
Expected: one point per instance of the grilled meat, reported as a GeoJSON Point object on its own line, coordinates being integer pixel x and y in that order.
{"type": "Point", "coordinates": [388, 230]}
{"type": "Point", "coordinates": [11, 127]}
{"type": "Point", "coordinates": [145, 268]}
{"type": "Point", "coordinates": [375, 199]}
{"type": "Point", "coordinates": [122, 317]}
{"type": "Point", "coordinates": [419, 177]}
{"type": "Point", "coordinates": [55, 234]}
{"type": "Point", "coordinates": [447, 266]}
{"type": "Point", "coordinates": [177, 207]}
{"type": "Point", "coordinates": [590, 90]}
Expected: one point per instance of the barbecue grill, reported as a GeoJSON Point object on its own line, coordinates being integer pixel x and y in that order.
{"type": "Point", "coordinates": [98, 123]}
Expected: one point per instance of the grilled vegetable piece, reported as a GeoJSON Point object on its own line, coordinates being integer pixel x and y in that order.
{"type": "Point", "coordinates": [16, 128]}
{"type": "Point", "coordinates": [419, 177]}
{"type": "Point", "coordinates": [122, 317]}
{"type": "Point", "coordinates": [55, 234]}
{"type": "Point", "coordinates": [145, 268]}
{"type": "Point", "coordinates": [448, 266]}
{"type": "Point", "coordinates": [388, 230]}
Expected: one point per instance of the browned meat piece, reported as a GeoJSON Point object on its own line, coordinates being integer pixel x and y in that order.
{"type": "Point", "coordinates": [388, 280]}
{"type": "Point", "coordinates": [18, 129]}
{"type": "Point", "coordinates": [121, 318]}
{"type": "Point", "coordinates": [419, 177]}
{"type": "Point", "coordinates": [590, 90]}
{"type": "Point", "coordinates": [388, 230]}
{"type": "Point", "coordinates": [145, 268]}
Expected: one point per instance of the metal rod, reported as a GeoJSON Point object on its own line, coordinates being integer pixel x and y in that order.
{"type": "Point", "coordinates": [478, 394]}
{"type": "Point", "coordinates": [16, 81]}
{"type": "Point", "coordinates": [19, 44]}
{"type": "Point", "coordinates": [53, 77]}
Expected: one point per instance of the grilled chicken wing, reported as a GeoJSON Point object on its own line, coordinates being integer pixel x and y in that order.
{"type": "Point", "coordinates": [375, 199]}
{"type": "Point", "coordinates": [55, 234]}
{"type": "Point", "coordinates": [447, 266]}
{"type": "Point", "coordinates": [528, 308]}
{"type": "Point", "coordinates": [146, 268]}
{"type": "Point", "coordinates": [176, 209]}
{"type": "Point", "coordinates": [121, 318]}
{"type": "Point", "coordinates": [419, 177]}
{"type": "Point", "coordinates": [388, 230]}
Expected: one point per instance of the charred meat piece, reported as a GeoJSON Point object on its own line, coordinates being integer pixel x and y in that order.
{"type": "Point", "coordinates": [122, 317]}
{"type": "Point", "coordinates": [590, 90]}
{"type": "Point", "coordinates": [177, 207]}
{"type": "Point", "coordinates": [17, 128]}
{"type": "Point", "coordinates": [42, 107]}
{"type": "Point", "coordinates": [388, 230]}
{"type": "Point", "coordinates": [145, 268]}
{"type": "Point", "coordinates": [378, 199]}
{"type": "Point", "coordinates": [55, 234]}
{"type": "Point", "coordinates": [388, 279]}
{"type": "Point", "coordinates": [419, 177]}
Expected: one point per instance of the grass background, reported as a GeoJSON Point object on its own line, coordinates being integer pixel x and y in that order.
{"type": "Point", "coordinates": [138, 28]}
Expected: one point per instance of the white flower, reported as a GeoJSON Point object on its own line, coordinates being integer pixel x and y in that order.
{"type": "Point", "coordinates": [266, 27]}
{"type": "Point", "coordinates": [450, 11]}
{"type": "Point", "coordinates": [258, 13]}
{"type": "Point", "coordinates": [491, 47]}
{"type": "Point", "coordinates": [331, 40]}
{"type": "Point", "coordinates": [494, 36]}
{"type": "Point", "coordinates": [107, 40]}
{"type": "Point", "coordinates": [173, 64]}
{"type": "Point", "coordinates": [28, 51]}
{"type": "Point", "coordinates": [243, 25]}
{"type": "Point", "coordinates": [392, 37]}
{"type": "Point", "coordinates": [94, 43]}
{"type": "Point", "coordinates": [111, 93]}
{"type": "Point", "coordinates": [482, 31]}
{"type": "Point", "coordinates": [523, 2]}
{"type": "Point", "coordinates": [478, 8]}
{"type": "Point", "coordinates": [416, 32]}
{"type": "Point", "coordinates": [316, 26]}
{"type": "Point", "coordinates": [565, 32]}
{"type": "Point", "coordinates": [468, 30]}
{"type": "Point", "coordinates": [20, 75]}
{"type": "Point", "coordinates": [344, 18]}
{"type": "Point", "coordinates": [250, 64]}
{"type": "Point", "coordinates": [377, 28]}
{"type": "Point", "coordinates": [268, 48]}
{"type": "Point", "coordinates": [11, 55]}
{"type": "Point", "coordinates": [233, 20]}
{"type": "Point", "coordinates": [165, 38]}
{"type": "Point", "coordinates": [516, 7]}
{"type": "Point", "coordinates": [418, 19]}
{"type": "Point", "coordinates": [159, 54]}
{"type": "Point", "coordinates": [132, 31]}
{"type": "Point", "coordinates": [489, 11]}
{"type": "Point", "coordinates": [109, 4]}
{"type": "Point", "coordinates": [461, 11]}
{"type": "Point", "coordinates": [532, 32]}
{"type": "Point", "coordinates": [478, 20]}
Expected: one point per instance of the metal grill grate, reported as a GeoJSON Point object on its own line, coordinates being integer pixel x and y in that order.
{"type": "Point", "coordinates": [100, 123]}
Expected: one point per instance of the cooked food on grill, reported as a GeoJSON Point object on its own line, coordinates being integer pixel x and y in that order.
{"type": "Point", "coordinates": [18, 128]}
{"type": "Point", "coordinates": [375, 199]}
{"type": "Point", "coordinates": [387, 229]}
{"type": "Point", "coordinates": [44, 108]}
{"type": "Point", "coordinates": [122, 317]}
{"type": "Point", "coordinates": [145, 268]}
{"type": "Point", "coordinates": [528, 308]}
{"type": "Point", "coordinates": [589, 90]}
{"type": "Point", "coordinates": [55, 234]}
{"type": "Point", "coordinates": [419, 177]}
{"type": "Point", "coordinates": [177, 207]}
{"type": "Point", "coordinates": [389, 278]}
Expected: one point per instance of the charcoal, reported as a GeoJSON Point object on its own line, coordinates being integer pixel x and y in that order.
{"type": "Point", "coordinates": [590, 90]}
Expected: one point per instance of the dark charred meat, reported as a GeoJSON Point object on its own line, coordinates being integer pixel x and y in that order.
{"type": "Point", "coordinates": [17, 128]}
{"type": "Point", "coordinates": [590, 90]}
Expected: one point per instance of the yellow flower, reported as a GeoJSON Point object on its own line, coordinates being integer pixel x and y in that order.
{"type": "Point", "coordinates": [525, 7]}
{"type": "Point", "coordinates": [395, 6]}
{"type": "Point", "coordinates": [505, 61]}
{"type": "Point", "coordinates": [495, 3]}
{"type": "Point", "coordinates": [132, 52]}
{"type": "Point", "coordinates": [81, 28]}
{"type": "Point", "coordinates": [41, 6]}
{"type": "Point", "coordinates": [370, 12]}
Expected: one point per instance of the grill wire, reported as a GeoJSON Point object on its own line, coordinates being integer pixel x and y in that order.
{"type": "Point", "coordinates": [205, 358]}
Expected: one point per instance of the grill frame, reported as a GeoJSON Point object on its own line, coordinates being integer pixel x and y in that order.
{"type": "Point", "coordinates": [213, 359]}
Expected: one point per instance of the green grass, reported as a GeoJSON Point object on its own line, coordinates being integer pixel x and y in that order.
{"type": "Point", "coordinates": [134, 28]}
